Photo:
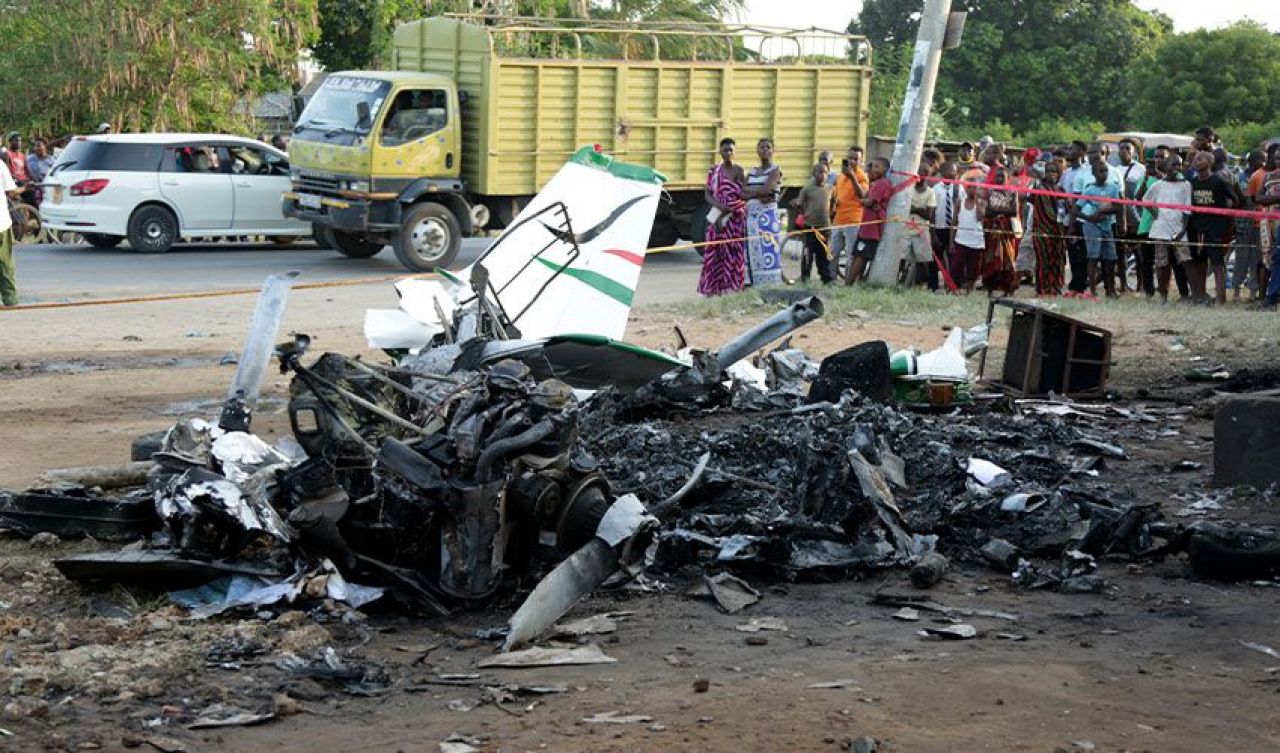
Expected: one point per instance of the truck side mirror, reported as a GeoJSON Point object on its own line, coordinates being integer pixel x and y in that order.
{"type": "Point", "coordinates": [363, 119]}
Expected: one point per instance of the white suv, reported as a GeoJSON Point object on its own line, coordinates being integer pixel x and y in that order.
{"type": "Point", "coordinates": [156, 188]}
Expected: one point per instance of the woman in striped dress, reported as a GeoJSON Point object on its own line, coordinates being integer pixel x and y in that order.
{"type": "Point", "coordinates": [724, 258]}
{"type": "Point", "coordinates": [1048, 238]}
{"type": "Point", "coordinates": [1003, 208]}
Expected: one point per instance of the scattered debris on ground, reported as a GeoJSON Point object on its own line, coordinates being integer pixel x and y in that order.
{"type": "Point", "coordinates": [486, 464]}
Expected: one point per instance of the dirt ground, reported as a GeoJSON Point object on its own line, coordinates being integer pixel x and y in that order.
{"type": "Point", "coordinates": [1155, 663]}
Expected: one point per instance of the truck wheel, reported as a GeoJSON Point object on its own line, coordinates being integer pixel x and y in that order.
{"type": "Point", "coordinates": [664, 233]}
{"type": "Point", "coordinates": [98, 240]}
{"type": "Point", "coordinates": [429, 237]}
{"type": "Point", "coordinates": [152, 229]}
{"type": "Point", "coordinates": [354, 246]}
{"type": "Point", "coordinates": [321, 235]}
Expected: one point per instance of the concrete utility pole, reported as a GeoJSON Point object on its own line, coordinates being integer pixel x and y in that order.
{"type": "Point", "coordinates": [911, 134]}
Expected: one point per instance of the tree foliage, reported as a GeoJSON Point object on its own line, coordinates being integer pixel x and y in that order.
{"type": "Point", "coordinates": [1023, 60]}
{"type": "Point", "coordinates": [1209, 78]}
{"type": "Point", "coordinates": [356, 34]}
{"type": "Point", "coordinates": [1057, 131]}
{"type": "Point", "coordinates": [145, 64]}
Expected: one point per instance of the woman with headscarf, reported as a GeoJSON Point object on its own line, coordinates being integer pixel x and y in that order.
{"type": "Point", "coordinates": [1048, 236]}
{"type": "Point", "coordinates": [1025, 177]}
{"type": "Point", "coordinates": [1001, 211]}
{"type": "Point", "coordinates": [724, 258]}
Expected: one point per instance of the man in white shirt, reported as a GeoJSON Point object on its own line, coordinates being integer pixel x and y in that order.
{"type": "Point", "coordinates": [8, 268]}
{"type": "Point", "coordinates": [948, 197]}
{"type": "Point", "coordinates": [1169, 229]}
{"type": "Point", "coordinates": [1133, 176]}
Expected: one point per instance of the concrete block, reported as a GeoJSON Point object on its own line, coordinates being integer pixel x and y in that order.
{"type": "Point", "coordinates": [1246, 441]}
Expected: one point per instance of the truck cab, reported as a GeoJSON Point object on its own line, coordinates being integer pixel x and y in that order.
{"type": "Point", "coordinates": [375, 160]}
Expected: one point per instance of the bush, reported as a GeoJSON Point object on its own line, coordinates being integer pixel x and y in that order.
{"type": "Point", "coordinates": [1240, 138]}
{"type": "Point", "coordinates": [1054, 131]}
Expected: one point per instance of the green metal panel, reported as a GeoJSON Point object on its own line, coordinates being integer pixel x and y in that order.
{"type": "Point", "coordinates": [526, 115]}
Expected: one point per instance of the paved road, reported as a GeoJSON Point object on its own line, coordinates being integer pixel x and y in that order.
{"type": "Point", "coordinates": [55, 273]}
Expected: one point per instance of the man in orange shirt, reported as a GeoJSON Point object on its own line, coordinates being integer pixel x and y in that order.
{"type": "Point", "coordinates": [851, 187]}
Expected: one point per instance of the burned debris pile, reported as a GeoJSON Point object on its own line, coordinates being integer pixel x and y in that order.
{"type": "Point", "coordinates": [798, 487]}
{"type": "Point", "coordinates": [484, 458]}
{"type": "Point", "coordinates": [444, 475]}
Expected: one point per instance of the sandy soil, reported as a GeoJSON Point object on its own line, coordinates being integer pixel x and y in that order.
{"type": "Point", "coordinates": [1153, 664]}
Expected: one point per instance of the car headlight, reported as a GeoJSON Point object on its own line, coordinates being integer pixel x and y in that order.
{"type": "Point", "coordinates": [357, 186]}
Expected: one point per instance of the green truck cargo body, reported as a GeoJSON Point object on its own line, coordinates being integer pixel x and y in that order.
{"type": "Point", "coordinates": [533, 96]}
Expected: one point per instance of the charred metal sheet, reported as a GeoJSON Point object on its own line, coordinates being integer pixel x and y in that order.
{"type": "Point", "coordinates": [157, 568]}
{"type": "Point", "coordinates": [77, 512]}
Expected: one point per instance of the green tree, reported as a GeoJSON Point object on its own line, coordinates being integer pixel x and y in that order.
{"type": "Point", "coordinates": [1248, 136]}
{"type": "Point", "coordinates": [145, 64]}
{"type": "Point", "coordinates": [1055, 130]}
{"type": "Point", "coordinates": [1023, 60]}
{"type": "Point", "coordinates": [1209, 78]}
{"type": "Point", "coordinates": [998, 130]}
{"type": "Point", "coordinates": [356, 34]}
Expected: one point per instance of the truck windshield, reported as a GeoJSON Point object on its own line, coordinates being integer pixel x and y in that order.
{"type": "Point", "coordinates": [333, 113]}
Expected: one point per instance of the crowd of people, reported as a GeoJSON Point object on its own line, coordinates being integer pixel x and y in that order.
{"type": "Point", "coordinates": [1057, 220]}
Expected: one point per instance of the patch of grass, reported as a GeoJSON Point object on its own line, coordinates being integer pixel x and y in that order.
{"type": "Point", "coordinates": [1132, 317]}
{"type": "Point", "coordinates": [909, 306]}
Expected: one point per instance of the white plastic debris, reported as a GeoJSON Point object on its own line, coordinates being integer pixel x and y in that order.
{"type": "Point", "coordinates": [548, 657]}
{"type": "Point", "coordinates": [392, 330]}
{"type": "Point", "coordinates": [756, 624]}
{"type": "Point", "coordinates": [946, 361]}
{"type": "Point", "coordinates": [985, 472]}
{"type": "Point", "coordinates": [1022, 502]}
{"type": "Point", "coordinates": [613, 717]}
{"type": "Point", "coordinates": [748, 374]}
{"type": "Point", "coordinates": [425, 310]}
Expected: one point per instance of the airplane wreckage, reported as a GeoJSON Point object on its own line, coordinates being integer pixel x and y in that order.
{"type": "Point", "coordinates": [514, 433]}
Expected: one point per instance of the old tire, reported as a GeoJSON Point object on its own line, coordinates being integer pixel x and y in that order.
{"type": "Point", "coordinates": [664, 233]}
{"type": "Point", "coordinates": [98, 240]}
{"type": "Point", "coordinates": [27, 226]}
{"type": "Point", "coordinates": [354, 246]}
{"type": "Point", "coordinates": [152, 229]}
{"type": "Point", "coordinates": [429, 237]}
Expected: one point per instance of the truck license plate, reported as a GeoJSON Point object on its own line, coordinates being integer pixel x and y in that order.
{"type": "Point", "coordinates": [308, 201]}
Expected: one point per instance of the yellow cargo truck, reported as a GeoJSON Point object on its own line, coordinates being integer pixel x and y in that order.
{"type": "Point", "coordinates": [478, 113]}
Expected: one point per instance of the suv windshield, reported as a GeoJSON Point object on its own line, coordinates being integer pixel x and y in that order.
{"type": "Point", "coordinates": [331, 115]}
{"type": "Point", "coordinates": [83, 154]}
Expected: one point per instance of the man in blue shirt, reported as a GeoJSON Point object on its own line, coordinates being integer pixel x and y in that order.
{"type": "Point", "coordinates": [1075, 245]}
{"type": "Point", "coordinates": [1097, 214]}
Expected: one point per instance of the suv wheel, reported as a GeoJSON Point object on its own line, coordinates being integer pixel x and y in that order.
{"type": "Point", "coordinates": [355, 246]}
{"type": "Point", "coordinates": [98, 240]}
{"type": "Point", "coordinates": [429, 237]}
{"type": "Point", "coordinates": [152, 229]}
